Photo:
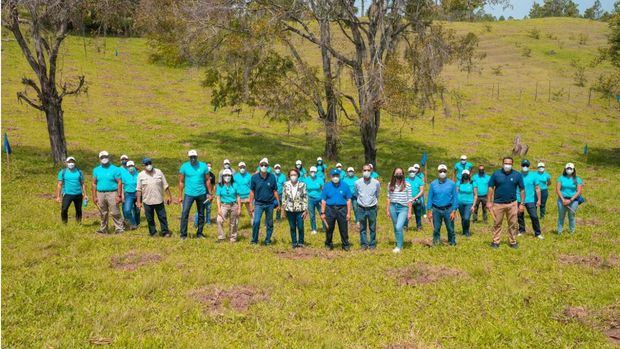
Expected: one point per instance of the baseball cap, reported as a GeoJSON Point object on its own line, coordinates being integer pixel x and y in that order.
{"type": "Point", "coordinates": [70, 158]}
{"type": "Point", "coordinates": [416, 166]}
{"type": "Point", "coordinates": [264, 161]}
{"type": "Point", "coordinates": [338, 165]}
{"type": "Point", "coordinates": [525, 162]}
{"type": "Point", "coordinates": [277, 166]}
{"type": "Point", "coordinates": [242, 164]}
{"type": "Point", "coordinates": [298, 162]}
{"type": "Point", "coordinates": [226, 161]}
{"type": "Point", "coordinates": [334, 172]}
{"type": "Point", "coordinates": [130, 163]}
{"type": "Point", "coordinates": [124, 157]}
{"type": "Point", "coordinates": [313, 169]}
{"type": "Point", "coordinates": [146, 161]}
{"type": "Point", "coordinates": [103, 153]}
{"type": "Point", "coordinates": [465, 172]}
{"type": "Point", "coordinates": [463, 157]}
{"type": "Point", "coordinates": [227, 172]}
{"type": "Point", "coordinates": [442, 167]}
{"type": "Point", "coordinates": [192, 152]}
{"type": "Point", "coordinates": [541, 164]}
{"type": "Point", "coordinates": [411, 169]}
{"type": "Point", "coordinates": [350, 169]}
{"type": "Point", "coordinates": [570, 165]}
{"type": "Point", "coordinates": [319, 159]}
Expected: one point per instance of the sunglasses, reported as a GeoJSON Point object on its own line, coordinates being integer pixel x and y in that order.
{"type": "Point", "coordinates": [442, 171]}
{"type": "Point", "coordinates": [147, 163]}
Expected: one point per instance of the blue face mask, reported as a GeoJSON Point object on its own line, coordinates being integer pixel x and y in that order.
{"type": "Point", "coordinates": [132, 169]}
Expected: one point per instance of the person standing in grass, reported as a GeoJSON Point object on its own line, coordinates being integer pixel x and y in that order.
{"type": "Point", "coordinates": [502, 199]}
{"type": "Point", "coordinates": [193, 184]}
{"type": "Point", "coordinates": [210, 195]}
{"type": "Point", "coordinates": [228, 204]}
{"type": "Point", "coordinates": [481, 179]}
{"type": "Point", "coordinates": [350, 180]}
{"type": "Point", "coordinates": [131, 212]}
{"type": "Point", "coordinates": [124, 160]}
{"type": "Point", "coordinates": [295, 206]}
{"type": "Point", "coordinates": [321, 169]}
{"type": "Point", "coordinates": [399, 205]}
{"type": "Point", "coordinates": [463, 164]}
{"type": "Point", "coordinates": [150, 188]}
{"type": "Point", "coordinates": [532, 200]}
{"type": "Point", "coordinates": [336, 207]}
{"type": "Point", "coordinates": [108, 193]}
{"type": "Point", "coordinates": [300, 167]}
{"type": "Point", "coordinates": [568, 189]}
{"type": "Point", "coordinates": [374, 174]}
{"type": "Point", "coordinates": [226, 166]}
{"type": "Point", "coordinates": [263, 194]}
{"type": "Point", "coordinates": [314, 187]}
{"type": "Point", "coordinates": [280, 179]}
{"type": "Point", "coordinates": [70, 188]}
{"type": "Point", "coordinates": [442, 205]}
{"type": "Point", "coordinates": [269, 169]}
{"type": "Point", "coordinates": [544, 181]}
{"type": "Point", "coordinates": [242, 183]}
{"type": "Point", "coordinates": [416, 180]}
{"type": "Point", "coordinates": [367, 190]}
{"type": "Point", "coordinates": [467, 195]}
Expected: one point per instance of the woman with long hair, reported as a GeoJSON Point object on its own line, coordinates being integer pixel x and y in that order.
{"type": "Point", "coordinates": [568, 188]}
{"type": "Point", "coordinates": [399, 205]}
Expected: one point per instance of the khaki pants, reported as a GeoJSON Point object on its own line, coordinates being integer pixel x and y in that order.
{"type": "Point", "coordinates": [246, 203]}
{"type": "Point", "coordinates": [225, 211]}
{"type": "Point", "coordinates": [107, 204]}
{"type": "Point", "coordinates": [510, 211]}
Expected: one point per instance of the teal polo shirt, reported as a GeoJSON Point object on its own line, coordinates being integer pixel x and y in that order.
{"type": "Point", "coordinates": [543, 178]}
{"type": "Point", "coordinates": [350, 182]}
{"type": "Point", "coordinates": [482, 183]}
{"type": "Point", "coordinates": [530, 181]}
{"type": "Point", "coordinates": [466, 193]}
{"type": "Point", "coordinates": [106, 177]}
{"type": "Point", "coordinates": [569, 185]}
{"type": "Point", "coordinates": [71, 181]}
{"type": "Point", "coordinates": [227, 193]}
{"type": "Point", "coordinates": [374, 174]}
{"type": "Point", "coordinates": [242, 183]}
{"type": "Point", "coordinates": [314, 187]}
{"type": "Point", "coordinates": [459, 168]}
{"type": "Point", "coordinates": [129, 180]}
{"type": "Point", "coordinates": [280, 180]}
{"type": "Point", "coordinates": [195, 178]}
{"type": "Point", "coordinates": [415, 182]}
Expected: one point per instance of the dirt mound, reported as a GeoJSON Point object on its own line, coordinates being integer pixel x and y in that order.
{"type": "Point", "coordinates": [132, 260]}
{"type": "Point", "coordinates": [307, 253]}
{"type": "Point", "coordinates": [592, 260]}
{"type": "Point", "coordinates": [427, 242]}
{"type": "Point", "coordinates": [606, 320]}
{"type": "Point", "coordinates": [591, 222]}
{"type": "Point", "coordinates": [46, 196]}
{"type": "Point", "coordinates": [421, 274]}
{"type": "Point", "coordinates": [574, 314]}
{"type": "Point", "coordinates": [238, 298]}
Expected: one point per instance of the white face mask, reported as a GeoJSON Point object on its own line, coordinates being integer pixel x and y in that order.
{"type": "Point", "coordinates": [71, 165]}
{"type": "Point", "coordinates": [443, 175]}
{"type": "Point", "coordinates": [149, 168]}
{"type": "Point", "coordinates": [411, 174]}
{"type": "Point", "coordinates": [131, 169]}
{"type": "Point", "coordinates": [226, 165]}
{"type": "Point", "coordinates": [277, 171]}
{"type": "Point", "coordinates": [293, 178]}
{"type": "Point", "coordinates": [525, 169]}
{"type": "Point", "coordinates": [541, 169]}
{"type": "Point", "coordinates": [226, 178]}
{"type": "Point", "coordinates": [335, 180]}
{"type": "Point", "coordinates": [507, 167]}
{"type": "Point", "coordinates": [263, 169]}
{"type": "Point", "coordinates": [351, 174]}
{"type": "Point", "coordinates": [366, 174]}
{"type": "Point", "coordinates": [463, 162]}
{"type": "Point", "coordinates": [298, 166]}
{"type": "Point", "coordinates": [105, 161]}
{"type": "Point", "coordinates": [312, 174]}
{"type": "Point", "coordinates": [242, 170]}
{"type": "Point", "coordinates": [569, 171]}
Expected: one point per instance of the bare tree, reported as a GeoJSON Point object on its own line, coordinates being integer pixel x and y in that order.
{"type": "Point", "coordinates": [46, 24]}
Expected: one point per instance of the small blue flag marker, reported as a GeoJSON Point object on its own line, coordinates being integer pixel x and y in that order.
{"type": "Point", "coordinates": [6, 145]}
{"type": "Point", "coordinates": [585, 150]}
{"type": "Point", "coordinates": [424, 158]}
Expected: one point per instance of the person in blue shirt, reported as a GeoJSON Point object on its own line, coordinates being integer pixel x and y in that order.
{"type": "Point", "coordinates": [300, 167]}
{"type": "Point", "coordinates": [374, 174]}
{"type": "Point", "coordinates": [460, 166]}
{"type": "Point", "coordinates": [280, 180]}
{"type": "Point", "coordinates": [131, 212]}
{"type": "Point", "coordinates": [416, 180]}
{"type": "Point", "coordinates": [194, 185]}
{"type": "Point", "coordinates": [340, 170]}
{"type": "Point", "coordinates": [532, 200]}
{"type": "Point", "coordinates": [467, 195]}
{"type": "Point", "coordinates": [321, 169]}
{"type": "Point", "coordinates": [228, 204]}
{"type": "Point", "coordinates": [263, 194]}
{"type": "Point", "coordinates": [442, 205]}
{"type": "Point", "coordinates": [544, 181]}
{"type": "Point", "coordinates": [314, 187]}
{"type": "Point", "coordinates": [336, 207]}
{"type": "Point", "coordinates": [72, 188]}
{"type": "Point", "coordinates": [568, 189]}
{"type": "Point", "coordinates": [242, 182]}
{"type": "Point", "coordinates": [482, 184]}
{"type": "Point", "coordinates": [504, 185]}
{"type": "Point", "coordinates": [108, 193]}
{"type": "Point", "coordinates": [349, 179]}
{"type": "Point", "coordinates": [269, 169]}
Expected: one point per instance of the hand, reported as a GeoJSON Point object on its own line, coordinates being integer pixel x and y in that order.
{"type": "Point", "coordinates": [538, 203]}
{"type": "Point", "coordinates": [348, 216]}
{"type": "Point", "coordinates": [322, 215]}
{"type": "Point", "coordinates": [387, 212]}
{"type": "Point", "coordinates": [452, 215]}
{"type": "Point", "coordinates": [119, 199]}
{"type": "Point", "coordinates": [139, 204]}
{"type": "Point", "coordinates": [409, 215]}
{"type": "Point", "coordinates": [85, 197]}
{"type": "Point", "coordinates": [304, 215]}
{"type": "Point", "coordinates": [521, 208]}
{"type": "Point", "coordinates": [429, 215]}
{"type": "Point", "coordinates": [239, 212]}
{"type": "Point", "coordinates": [58, 199]}
{"type": "Point", "coordinates": [566, 202]}
{"type": "Point", "coordinates": [489, 205]}
{"type": "Point", "coordinates": [96, 200]}
{"type": "Point", "coordinates": [179, 200]}
{"type": "Point", "coordinates": [473, 208]}
{"type": "Point", "coordinates": [168, 201]}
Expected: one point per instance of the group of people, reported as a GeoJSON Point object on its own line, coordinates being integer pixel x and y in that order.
{"type": "Point", "coordinates": [338, 196]}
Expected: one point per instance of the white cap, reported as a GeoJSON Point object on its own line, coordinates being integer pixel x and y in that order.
{"type": "Point", "coordinates": [319, 159]}
{"type": "Point", "coordinates": [242, 164]}
{"type": "Point", "coordinates": [226, 161]}
{"type": "Point", "coordinates": [124, 157]}
{"type": "Point", "coordinates": [338, 165]}
{"type": "Point", "coordinates": [264, 160]}
{"type": "Point", "coordinates": [277, 166]}
{"type": "Point", "coordinates": [192, 152]}
{"type": "Point", "coordinates": [442, 167]}
{"type": "Point", "coordinates": [463, 157]}
{"type": "Point", "coordinates": [298, 162]}
{"type": "Point", "coordinates": [416, 166]}
{"type": "Point", "coordinates": [313, 169]}
{"type": "Point", "coordinates": [465, 172]}
{"type": "Point", "coordinates": [371, 166]}
{"type": "Point", "coordinates": [130, 163]}
{"type": "Point", "coordinates": [541, 164]}
{"type": "Point", "coordinates": [103, 153]}
{"type": "Point", "coordinates": [570, 164]}
{"type": "Point", "coordinates": [70, 158]}
{"type": "Point", "coordinates": [350, 169]}
{"type": "Point", "coordinates": [227, 172]}
{"type": "Point", "coordinates": [410, 169]}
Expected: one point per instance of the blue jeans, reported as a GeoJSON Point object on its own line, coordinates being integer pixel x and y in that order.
{"type": "Point", "coordinates": [440, 215]}
{"type": "Point", "coordinates": [544, 195]}
{"type": "Point", "coordinates": [259, 208]}
{"type": "Point", "coordinates": [313, 206]}
{"type": "Point", "coordinates": [368, 221]}
{"type": "Point", "coordinates": [562, 211]}
{"type": "Point", "coordinates": [465, 213]}
{"type": "Point", "coordinates": [355, 207]}
{"type": "Point", "coordinates": [418, 211]}
{"type": "Point", "coordinates": [398, 213]}
{"type": "Point", "coordinates": [207, 214]}
{"type": "Point", "coordinates": [296, 223]}
{"type": "Point", "coordinates": [131, 212]}
{"type": "Point", "coordinates": [188, 201]}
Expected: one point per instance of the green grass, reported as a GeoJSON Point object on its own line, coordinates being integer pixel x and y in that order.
{"type": "Point", "coordinates": [59, 289]}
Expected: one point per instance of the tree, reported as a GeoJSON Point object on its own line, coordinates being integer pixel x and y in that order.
{"type": "Point", "coordinates": [595, 12]}
{"type": "Point", "coordinates": [554, 8]}
{"type": "Point", "coordinates": [613, 52]}
{"type": "Point", "coordinates": [45, 24]}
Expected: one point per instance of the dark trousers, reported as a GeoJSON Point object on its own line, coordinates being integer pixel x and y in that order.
{"type": "Point", "coordinates": [465, 213]}
{"type": "Point", "coordinates": [160, 210]}
{"type": "Point", "coordinates": [335, 214]}
{"type": "Point", "coordinates": [66, 203]}
{"type": "Point", "coordinates": [418, 211]}
{"type": "Point", "coordinates": [188, 201]}
{"type": "Point", "coordinates": [443, 215]}
{"type": "Point", "coordinates": [296, 223]}
{"type": "Point", "coordinates": [367, 218]}
{"type": "Point", "coordinates": [259, 208]}
{"type": "Point", "coordinates": [482, 200]}
{"type": "Point", "coordinates": [544, 195]}
{"type": "Point", "coordinates": [531, 210]}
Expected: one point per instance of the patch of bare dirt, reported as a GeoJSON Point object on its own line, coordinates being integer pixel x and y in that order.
{"type": "Point", "coordinates": [428, 242]}
{"type": "Point", "coordinates": [307, 253]}
{"type": "Point", "coordinates": [133, 260]}
{"type": "Point", "coordinates": [588, 222]}
{"type": "Point", "coordinates": [421, 273]}
{"type": "Point", "coordinates": [48, 196]}
{"type": "Point", "coordinates": [100, 341]}
{"type": "Point", "coordinates": [574, 314]}
{"type": "Point", "coordinates": [592, 260]}
{"type": "Point", "coordinates": [238, 298]}
{"type": "Point", "coordinates": [606, 320]}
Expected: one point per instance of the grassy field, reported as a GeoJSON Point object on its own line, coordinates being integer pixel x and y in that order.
{"type": "Point", "coordinates": [65, 287]}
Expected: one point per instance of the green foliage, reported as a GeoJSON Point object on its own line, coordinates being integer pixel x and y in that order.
{"type": "Point", "coordinates": [614, 40]}
{"type": "Point", "coordinates": [579, 76]}
{"type": "Point", "coordinates": [554, 8]}
{"type": "Point", "coordinates": [595, 12]}
{"type": "Point", "coordinates": [534, 33]}
{"type": "Point", "coordinates": [608, 85]}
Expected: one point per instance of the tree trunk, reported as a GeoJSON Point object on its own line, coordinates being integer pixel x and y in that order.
{"type": "Point", "coordinates": [369, 128]}
{"type": "Point", "coordinates": [331, 117]}
{"type": "Point", "coordinates": [56, 130]}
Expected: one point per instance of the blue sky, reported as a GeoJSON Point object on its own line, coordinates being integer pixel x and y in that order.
{"type": "Point", "coordinates": [521, 8]}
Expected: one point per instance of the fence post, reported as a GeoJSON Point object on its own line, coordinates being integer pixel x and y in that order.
{"type": "Point", "coordinates": [590, 96]}
{"type": "Point", "coordinates": [549, 99]}
{"type": "Point", "coordinates": [536, 95]}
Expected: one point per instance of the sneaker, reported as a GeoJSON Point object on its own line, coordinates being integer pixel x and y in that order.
{"type": "Point", "coordinates": [372, 247]}
{"type": "Point", "coordinates": [183, 238]}
{"type": "Point", "coordinates": [346, 247]}
{"type": "Point", "coordinates": [520, 234]}
{"type": "Point", "coordinates": [329, 247]}
{"type": "Point", "coordinates": [166, 234]}
{"type": "Point", "coordinates": [494, 245]}
{"type": "Point", "coordinates": [218, 241]}
{"type": "Point", "coordinates": [200, 236]}
{"type": "Point", "coordinates": [396, 250]}
{"type": "Point", "coordinates": [313, 232]}
{"type": "Point", "coordinates": [364, 247]}
{"type": "Point", "coordinates": [101, 232]}
{"type": "Point", "coordinates": [515, 246]}
{"type": "Point", "coordinates": [119, 231]}
{"type": "Point", "coordinates": [540, 237]}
